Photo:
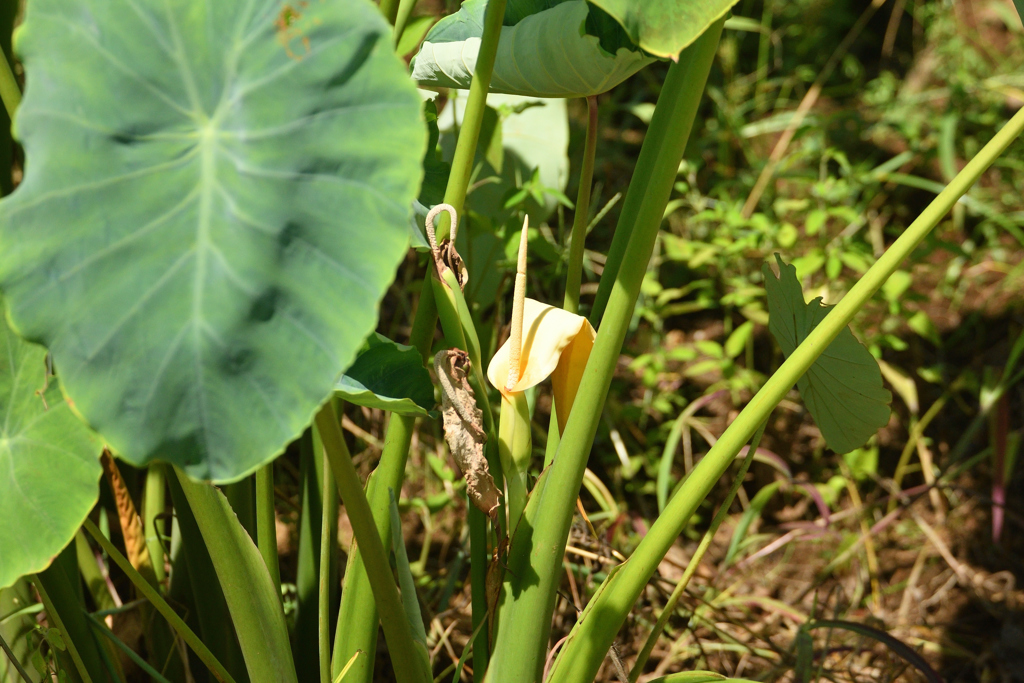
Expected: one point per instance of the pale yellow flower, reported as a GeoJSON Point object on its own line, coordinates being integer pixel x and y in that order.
{"type": "Point", "coordinates": [556, 343]}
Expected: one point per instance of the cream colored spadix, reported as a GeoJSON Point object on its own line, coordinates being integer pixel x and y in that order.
{"type": "Point", "coordinates": [555, 343]}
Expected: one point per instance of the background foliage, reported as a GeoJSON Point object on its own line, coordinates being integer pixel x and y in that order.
{"type": "Point", "coordinates": [861, 112]}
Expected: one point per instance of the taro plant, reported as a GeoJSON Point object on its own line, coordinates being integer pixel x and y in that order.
{"type": "Point", "coordinates": [215, 199]}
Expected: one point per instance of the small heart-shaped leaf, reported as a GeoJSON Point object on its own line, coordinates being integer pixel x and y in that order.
{"type": "Point", "coordinates": [843, 388]}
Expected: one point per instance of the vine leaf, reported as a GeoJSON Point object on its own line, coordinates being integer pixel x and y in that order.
{"type": "Point", "coordinates": [205, 258]}
{"type": "Point", "coordinates": [843, 388]}
{"type": "Point", "coordinates": [49, 461]}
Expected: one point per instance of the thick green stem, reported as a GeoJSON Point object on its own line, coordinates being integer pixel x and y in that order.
{"type": "Point", "coordinates": [266, 523]}
{"type": "Point", "coordinates": [407, 664]}
{"type": "Point", "coordinates": [620, 591]}
{"type": "Point", "coordinates": [155, 503]}
{"type": "Point", "coordinates": [478, 577]}
{"type": "Point", "coordinates": [536, 555]}
{"type": "Point", "coordinates": [195, 586]}
{"type": "Point", "coordinates": [405, 8]}
{"type": "Point", "coordinates": [691, 566]}
{"type": "Point", "coordinates": [515, 448]}
{"type": "Point", "coordinates": [154, 597]}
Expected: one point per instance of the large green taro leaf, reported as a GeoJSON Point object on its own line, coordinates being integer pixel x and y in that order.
{"type": "Point", "coordinates": [215, 201]}
{"type": "Point", "coordinates": [49, 461]}
{"type": "Point", "coordinates": [843, 388]}
{"type": "Point", "coordinates": [665, 27]}
{"type": "Point", "coordinates": [547, 54]}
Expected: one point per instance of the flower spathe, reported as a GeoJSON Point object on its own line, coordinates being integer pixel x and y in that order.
{"type": "Point", "coordinates": [555, 343]}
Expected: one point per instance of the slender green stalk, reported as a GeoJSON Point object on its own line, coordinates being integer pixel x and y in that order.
{"type": "Point", "coordinates": [266, 524]}
{"type": "Point", "coordinates": [577, 242]}
{"type": "Point", "coordinates": [616, 600]}
{"type": "Point", "coordinates": [132, 655]}
{"type": "Point", "coordinates": [58, 622]}
{"type": "Point", "coordinates": [405, 658]}
{"type": "Point", "coordinates": [405, 8]}
{"type": "Point", "coordinates": [357, 618]}
{"type": "Point", "coordinates": [554, 438]}
{"type": "Point", "coordinates": [389, 8]}
{"type": "Point", "coordinates": [107, 652]}
{"type": "Point", "coordinates": [574, 275]}
{"type": "Point", "coordinates": [155, 502]}
{"type": "Point", "coordinates": [154, 597]}
{"type": "Point", "coordinates": [95, 582]}
{"type": "Point", "coordinates": [312, 522]}
{"type": "Point", "coordinates": [327, 540]}
{"type": "Point", "coordinates": [473, 118]}
{"type": "Point", "coordinates": [535, 558]}
{"type": "Point", "coordinates": [14, 660]}
{"type": "Point", "coordinates": [457, 324]}
{"type": "Point", "coordinates": [9, 90]}
{"type": "Point", "coordinates": [694, 563]}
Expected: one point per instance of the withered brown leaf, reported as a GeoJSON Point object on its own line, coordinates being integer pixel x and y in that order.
{"type": "Point", "coordinates": [463, 429]}
{"type": "Point", "coordinates": [131, 524]}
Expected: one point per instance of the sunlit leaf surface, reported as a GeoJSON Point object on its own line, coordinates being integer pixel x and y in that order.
{"type": "Point", "coordinates": [49, 461]}
{"type": "Point", "coordinates": [215, 200]}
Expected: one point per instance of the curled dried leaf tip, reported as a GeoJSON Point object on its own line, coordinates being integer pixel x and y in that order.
{"type": "Point", "coordinates": [445, 255]}
{"type": "Point", "coordinates": [463, 429]}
